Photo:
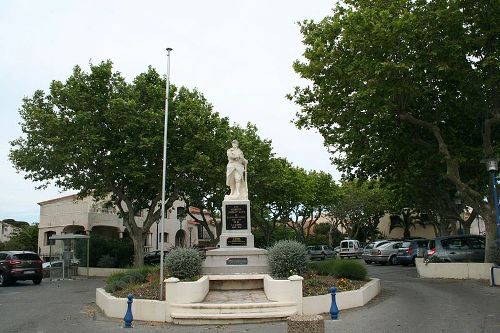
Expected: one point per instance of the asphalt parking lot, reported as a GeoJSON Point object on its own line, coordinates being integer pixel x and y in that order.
{"type": "Point", "coordinates": [406, 304]}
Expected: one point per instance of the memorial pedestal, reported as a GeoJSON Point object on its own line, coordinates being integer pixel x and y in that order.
{"type": "Point", "coordinates": [236, 253]}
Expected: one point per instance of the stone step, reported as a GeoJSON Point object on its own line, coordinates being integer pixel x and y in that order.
{"type": "Point", "coordinates": [242, 309]}
{"type": "Point", "coordinates": [183, 318]}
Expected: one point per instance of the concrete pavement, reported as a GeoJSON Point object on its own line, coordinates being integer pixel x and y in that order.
{"type": "Point", "coordinates": [407, 304]}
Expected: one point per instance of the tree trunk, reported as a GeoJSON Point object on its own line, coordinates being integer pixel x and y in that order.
{"type": "Point", "coordinates": [138, 240]}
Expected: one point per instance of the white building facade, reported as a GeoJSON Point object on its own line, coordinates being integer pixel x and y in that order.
{"type": "Point", "coordinates": [71, 215]}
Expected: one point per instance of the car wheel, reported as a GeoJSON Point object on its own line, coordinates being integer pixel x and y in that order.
{"type": "Point", "coordinates": [413, 262]}
{"type": "Point", "coordinates": [368, 262]}
{"type": "Point", "coordinates": [3, 280]}
{"type": "Point", "coordinates": [393, 260]}
{"type": "Point", "coordinates": [37, 281]}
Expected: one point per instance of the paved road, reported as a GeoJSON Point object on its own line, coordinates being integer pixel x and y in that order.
{"type": "Point", "coordinates": [407, 304]}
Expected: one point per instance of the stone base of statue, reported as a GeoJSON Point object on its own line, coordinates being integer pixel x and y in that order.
{"type": "Point", "coordinates": [236, 253]}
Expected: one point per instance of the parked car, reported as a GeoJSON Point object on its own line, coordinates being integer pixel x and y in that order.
{"type": "Point", "coordinates": [153, 257]}
{"type": "Point", "coordinates": [320, 251]}
{"type": "Point", "coordinates": [350, 248]}
{"type": "Point", "coordinates": [411, 249]}
{"type": "Point", "coordinates": [468, 248]}
{"type": "Point", "coordinates": [386, 253]}
{"type": "Point", "coordinates": [367, 250]}
{"type": "Point", "coordinates": [20, 265]}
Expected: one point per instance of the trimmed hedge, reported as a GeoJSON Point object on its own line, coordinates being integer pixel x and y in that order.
{"type": "Point", "coordinates": [348, 269]}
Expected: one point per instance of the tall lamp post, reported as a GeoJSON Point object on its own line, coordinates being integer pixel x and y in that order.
{"type": "Point", "coordinates": [164, 173]}
{"type": "Point", "coordinates": [492, 167]}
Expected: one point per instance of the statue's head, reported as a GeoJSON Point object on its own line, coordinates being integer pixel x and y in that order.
{"type": "Point", "coordinates": [235, 143]}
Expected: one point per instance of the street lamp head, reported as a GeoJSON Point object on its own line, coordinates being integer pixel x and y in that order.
{"type": "Point", "coordinates": [491, 163]}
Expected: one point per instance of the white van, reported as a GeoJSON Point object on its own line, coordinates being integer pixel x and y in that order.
{"type": "Point", "coordinates": [350, 248]}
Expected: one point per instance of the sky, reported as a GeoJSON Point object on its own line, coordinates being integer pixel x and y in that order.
{"type": "Point", "coordinates": [239, 54]}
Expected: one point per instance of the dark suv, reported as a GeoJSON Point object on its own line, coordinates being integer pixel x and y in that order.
{"type": "Point", "coordinates": [410, 250]}
{"type": "Point", "coordinates": [153, 257]}
{"type": "Point", "coordinates": [20, 265]}
{"type": "Point", "coordinates": [468, 248]}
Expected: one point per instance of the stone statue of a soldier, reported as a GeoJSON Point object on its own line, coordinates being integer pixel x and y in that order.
{"type": "Point", "coordinates": [236, 173]}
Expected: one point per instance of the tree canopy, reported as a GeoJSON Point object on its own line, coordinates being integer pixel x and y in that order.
{"type": "Point", "coordinates": [407, 85]}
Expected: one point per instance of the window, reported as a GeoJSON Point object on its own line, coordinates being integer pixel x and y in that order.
{"type": "Point", "coordinates": [26, 256]}
{"type": "Point", "coordinates": [47, 236]}
{"type": "Point", "coordinates": [165, 237]}
{"type": "Point", "coordinates": [455, 244]}
{"type": "Point", "coordinates": [476, 243]}
{"type": "Point", "coordinates": [3, 256]}
{"type": "Point", "coordinates": [200, 231]}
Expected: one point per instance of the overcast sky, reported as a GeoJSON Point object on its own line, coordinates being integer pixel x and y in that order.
{"type": "Point", "coordinates": [239, 54]}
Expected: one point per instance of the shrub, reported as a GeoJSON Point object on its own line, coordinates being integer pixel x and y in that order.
{"type": "Point", "coordinates": [183, 263]}
{"type": "Point", "coordinates": [106, 261]}
{"type": "Point", "coordinates": [434, 260]}
{"type": "Point", "coordinates": [340, 269]}
{"type": "Point", "coordinates": [287, 258]}
{"type": "Point", "coordinates": [121, 280]}
{"type": "Point", "coordinates": [350, 270]}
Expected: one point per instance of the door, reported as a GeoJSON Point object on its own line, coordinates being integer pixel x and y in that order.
{"type": "Point", "coordinates": [477, 245]}
{"type": "Point", "coordinates": [456, 249]}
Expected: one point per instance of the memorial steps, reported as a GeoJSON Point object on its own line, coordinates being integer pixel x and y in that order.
{"type": "Point", "coordinates": [233, 299]}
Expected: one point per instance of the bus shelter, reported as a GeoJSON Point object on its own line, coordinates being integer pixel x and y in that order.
{"type": "Point", "coordinates": [67, 253]}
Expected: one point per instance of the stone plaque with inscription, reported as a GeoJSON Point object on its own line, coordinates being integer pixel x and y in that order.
{"type": "Point", "coordinates": [236, 217]}
{"type": "Point", "coordinates": [237, 241]}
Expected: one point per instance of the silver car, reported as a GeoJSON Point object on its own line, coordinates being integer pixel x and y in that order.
{"type": "Point", "coordinates": [367, 250]}
{"type": "Point", "coordinates": [386, 253]}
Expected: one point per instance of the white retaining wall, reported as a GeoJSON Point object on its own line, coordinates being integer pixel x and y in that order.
{"type": "Point", "coordinates": [462, 271]}
{"type": "Point", "coordinates": [177, 292]}
{"type": "Point", "coordinates": [345, 300]}
{"type": "Point", "coordinates": [97, 271]}
{"type": "Point", "coordinates": [284, 290]}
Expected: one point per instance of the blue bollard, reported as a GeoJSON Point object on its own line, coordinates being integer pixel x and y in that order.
{"type": "Point", "coordinates": [334, 310]}
{"type": "Point", "coordinates": [128, 316]}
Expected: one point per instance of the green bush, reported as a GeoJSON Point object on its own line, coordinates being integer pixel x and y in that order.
{"type": "Point", "coordinates": [121, 280]}
{"type": "Point", "coordinates": [122, 249]}
{"type": "Point", "coordinates": [287, 258]}
{"type": "Point", "coordinates": [348, 269]}
{"type": "Point", "coordinates": [106, 261]}
{"type": "Point", "coordinates": [183, 263]}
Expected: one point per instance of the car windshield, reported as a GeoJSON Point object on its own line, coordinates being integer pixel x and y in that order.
{"type": "Point", "coordinates": [26, 256]}
{"type": "Point", "coordinates": [381, 243]}
{"type": "Point", "coordinates": [406, 244]}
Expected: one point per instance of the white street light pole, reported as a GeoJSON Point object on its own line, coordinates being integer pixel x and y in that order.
{"type": "Point", "coordinates": [164, 173]}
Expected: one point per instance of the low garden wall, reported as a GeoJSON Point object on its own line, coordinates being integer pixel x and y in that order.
{"type": "Point", "coordinates": [461, 271]}
{"type": "Point", "coordinates": [193, 292]}
{"type": "Point", "coordinates": [345, 300]}
{"type": "Point", "coordinates": [98, 271]}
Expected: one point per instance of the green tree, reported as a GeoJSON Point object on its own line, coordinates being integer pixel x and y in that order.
{"type": "Point", "coordinates": [394, 79]}
{"type": "Point", "coordinates": [359, 208]}
{"type": "Point", "coordinates": [25, 238]}
{"type": "Point", "coordinates": [100, 135]}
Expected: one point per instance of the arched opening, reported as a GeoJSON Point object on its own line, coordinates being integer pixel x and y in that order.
{"type": "Point", "coordinates": [48, 241]}
{"type": "Point", "coordinates": [106, 231]}
{"type": "Point", "coordinates": [74, 229]}
{"type": "Point", "coordinates": [180, 238]}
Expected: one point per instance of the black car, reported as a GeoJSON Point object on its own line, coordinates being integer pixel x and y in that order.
{"type": "Point", "coordinates": [153, 257]}
{"type": "Point", "coordinates": [410, 250]}
{"type": "Point", "coordinates": [20, 265]}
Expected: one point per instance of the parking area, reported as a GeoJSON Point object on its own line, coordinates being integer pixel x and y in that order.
{"type": "Point", "coordinates": [406, 304]}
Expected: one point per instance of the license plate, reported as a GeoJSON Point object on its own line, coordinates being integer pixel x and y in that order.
{"type": "Point", "coordinates": [29, 272]}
